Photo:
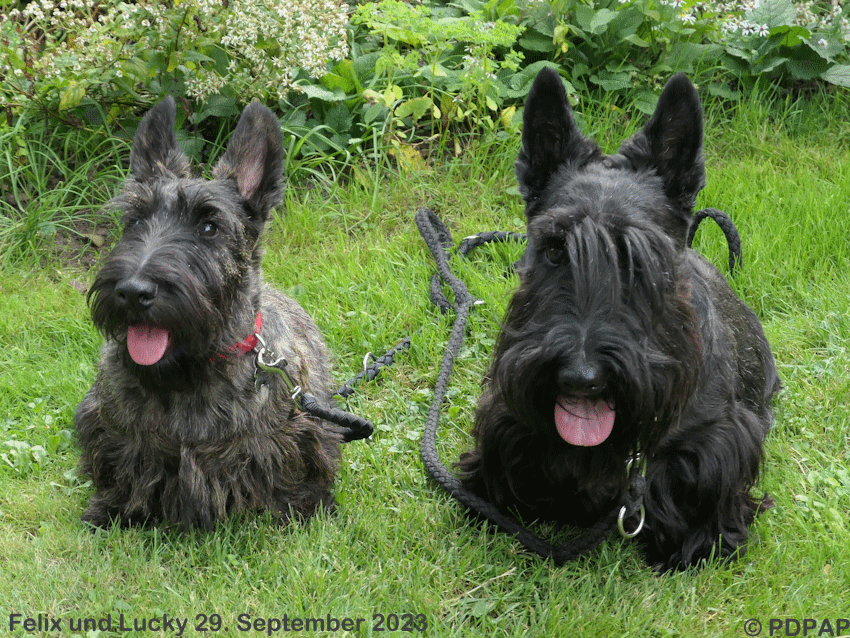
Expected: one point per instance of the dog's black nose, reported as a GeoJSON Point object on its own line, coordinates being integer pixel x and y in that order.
{"type": "Point", "coordinates": [581, 377]}
{"type": "Point", "coordinates": [138, 293]}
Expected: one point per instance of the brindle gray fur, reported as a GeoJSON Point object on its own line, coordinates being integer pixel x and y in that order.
{"type": "Point", "coordinates": [189, 440]}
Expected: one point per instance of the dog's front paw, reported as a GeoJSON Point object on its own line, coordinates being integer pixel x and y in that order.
{"type": "Point", "coordinates": [197, 514]}
{"type": "Point", "coordinates": [698, 553]}
{"type": "Point", "coordinates": [100, 515]}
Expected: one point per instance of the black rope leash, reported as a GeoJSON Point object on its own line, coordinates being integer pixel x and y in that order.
{"type": "Point", "coordinates": [268, 364]}
{"type": "Point", "coordinates": [354, 427]}
{"type": "Point", "coordinates": [733, 239]}
{"type": "Point", "coordinates": [466, 246]}
{"type": "Point", "coordinates": [435, 234]}
{"type": "Point", "coordinates": [372, 371]}
{"type": "Point", "coordinates": [438, 239]}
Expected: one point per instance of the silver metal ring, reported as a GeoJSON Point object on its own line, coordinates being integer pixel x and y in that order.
{"type": "Point", "coordinates": [622, 515]}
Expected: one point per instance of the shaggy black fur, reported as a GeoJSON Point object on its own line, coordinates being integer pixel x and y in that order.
{"type": "Point", "coordinates": [616, 316]}
{"type": "Point", "coordinates": [185, 437]}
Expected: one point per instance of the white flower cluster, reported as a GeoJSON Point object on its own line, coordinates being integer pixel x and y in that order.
{"type": "Point", "coordinates": [736, 16]}
{"type": "Point", "coordinates": [92, 42]}
{"type": "Point", "coordinates": [270, 41]}
{"type": "Point", "coordinates": [49, 38]}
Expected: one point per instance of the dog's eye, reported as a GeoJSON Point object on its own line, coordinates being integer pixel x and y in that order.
{"type": "Point", "coordinates": [554, 255]}
{"type": "Point", "coordinates": [207, 230]}
{"type": "Point", "coordinates": [131, 221]}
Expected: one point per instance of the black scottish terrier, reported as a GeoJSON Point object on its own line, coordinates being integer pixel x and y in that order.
{"type": "Point", "coordinates": [175, 429]}
{"type": "Point", "coordinates": [620, 341]}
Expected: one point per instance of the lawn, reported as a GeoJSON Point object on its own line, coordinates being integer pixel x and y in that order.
{"type": "Point", "coordinates": [398, 556]}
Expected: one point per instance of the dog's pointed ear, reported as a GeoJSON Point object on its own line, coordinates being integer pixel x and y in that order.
{"type": "Point", "coordinates": [154, 152]}
{"type": "Point", "coordinates": [671, 142]}
{"type": "Point", "coordinates": [550, 136]}
{"type": "Point", "coordinates": [254, 160]}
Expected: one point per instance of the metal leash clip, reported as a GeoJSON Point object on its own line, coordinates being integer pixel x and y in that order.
{"type": "Point", "coordinates": [636, 470]}
{"type": "Point", "coordinates": [268, 362]}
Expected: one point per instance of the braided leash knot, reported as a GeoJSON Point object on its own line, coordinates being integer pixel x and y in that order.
{"type": "Point", "coordinates": [371, 372]}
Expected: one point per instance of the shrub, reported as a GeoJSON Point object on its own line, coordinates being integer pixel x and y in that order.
{"type": "Point", "coordinates": [398, 72]}
{"type": "Point", "coordinates": [56, 53]}
{"type": "Point", "coordinates": [783, 40]}
{"type": "Point", "coordinates": [616, 45]}
{"type": "Point", "coordinates": [446, 61]}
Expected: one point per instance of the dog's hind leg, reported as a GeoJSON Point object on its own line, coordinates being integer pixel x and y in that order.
{"type": "Point", "coordinates": [302, 463]}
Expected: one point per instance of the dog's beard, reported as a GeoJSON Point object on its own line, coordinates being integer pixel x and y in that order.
{"type": "Point", "coordinates": [630, 410]}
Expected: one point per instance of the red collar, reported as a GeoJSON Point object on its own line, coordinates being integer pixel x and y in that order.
{"type": "Point", "coordinates": [249, 343]}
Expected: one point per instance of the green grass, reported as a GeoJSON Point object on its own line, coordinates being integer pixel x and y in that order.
{"type": "Point", "coordinates": [51, 184]}
{"type": "Point", "coordinates": [396, 543]}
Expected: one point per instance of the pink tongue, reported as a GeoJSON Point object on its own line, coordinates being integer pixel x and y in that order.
{"type": "Point", "coordinates": [583, 423]}
{"type": "Point", "coordinates": [147, 344]}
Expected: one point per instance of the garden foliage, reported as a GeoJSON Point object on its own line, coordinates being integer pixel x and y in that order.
{"type": "Point", "coordinates": [347, 79]}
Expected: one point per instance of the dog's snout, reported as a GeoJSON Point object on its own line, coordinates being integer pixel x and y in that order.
{"type": "Point", "coordinates": [581, 377]}
{"type": "Point", "coordinates": [138, 293]}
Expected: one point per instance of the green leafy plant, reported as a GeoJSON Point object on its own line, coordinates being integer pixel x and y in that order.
{"type": "Point", "coordinates": [783, 40]}
{"type": "Point", "coordinates": [18, 454]}
{"type": "Point", "coordinates": [356, 85]}
{"type": "Point", "coordinates": [438, 62]}
{"type": "Point", "coordinates": [56, 53]}
{"type": "Point", "coordinates": [612, 47]}
{"type": "Point", "coordinates": [615, 46]}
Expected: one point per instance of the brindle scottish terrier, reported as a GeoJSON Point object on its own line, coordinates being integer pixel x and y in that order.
{"type": "Point", "coordinates": [174, 429]}
{"type": "Point", "coordinates": [622, 340]}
